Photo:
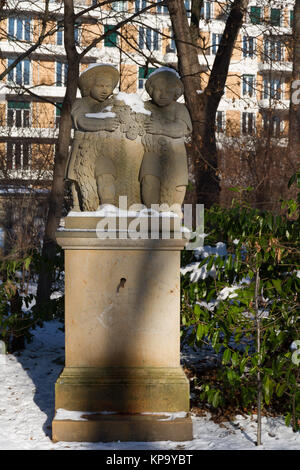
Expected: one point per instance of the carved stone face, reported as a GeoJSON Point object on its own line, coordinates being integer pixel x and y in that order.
{"type": "Point", "coordinates": [102, 88]}
{"type": "Point", "coordinates": [163, 92]}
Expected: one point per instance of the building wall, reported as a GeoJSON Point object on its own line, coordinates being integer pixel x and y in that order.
{"type": "Point", "coordinates": [47, 83]}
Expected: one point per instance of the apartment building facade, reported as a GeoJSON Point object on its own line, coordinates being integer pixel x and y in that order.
{"type": "Point", "coordinates": [256, 99]}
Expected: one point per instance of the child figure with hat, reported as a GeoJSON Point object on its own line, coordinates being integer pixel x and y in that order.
{"type": "Point", "coordinates": [90, 165]}
{"type": "Point", "coordinates": [164, 171]}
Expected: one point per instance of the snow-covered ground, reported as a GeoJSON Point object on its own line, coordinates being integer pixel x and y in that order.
{"type": "Point", "coordinates": [27, 408]}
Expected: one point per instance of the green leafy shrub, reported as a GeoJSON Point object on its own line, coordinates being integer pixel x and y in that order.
{"type": "Point", "coordinates": [18, 313]}
{"type": "Point", "coordinates": [15, 299]}
{"type": "Point", "coordinates": [244, 304]}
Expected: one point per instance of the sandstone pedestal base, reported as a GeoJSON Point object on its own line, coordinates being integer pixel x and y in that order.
{"type": "Point", "coordinates": [122, 377]}
{"type": "Point", "coordinates": [109, 428]}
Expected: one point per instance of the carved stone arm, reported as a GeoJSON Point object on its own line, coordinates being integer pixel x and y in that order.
{"type": "Point", "coordinates": [95, 124]}
{"type": "Point", "coordinates": [173, 129]}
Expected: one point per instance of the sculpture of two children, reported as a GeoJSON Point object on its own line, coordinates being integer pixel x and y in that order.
{"type": "Point", "coordinates": [104, 125]}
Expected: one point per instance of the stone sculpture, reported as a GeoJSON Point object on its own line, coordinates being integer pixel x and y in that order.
{"type": "Point", "coordinates": [164, 171]}
{"type": "Point", "coordinates": [90, 167]}
{"type": "Point", "coordinates": [122, 379]}
{"type": "Point", "coordinates": [123, 148]}
{"type": "Point", "coordinates": [107, 150]}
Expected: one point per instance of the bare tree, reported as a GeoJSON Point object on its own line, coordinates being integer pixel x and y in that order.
{"type": "Point", "coordinates": [203, 104]}
{"type": "Point", "coordinates": [57, 190]}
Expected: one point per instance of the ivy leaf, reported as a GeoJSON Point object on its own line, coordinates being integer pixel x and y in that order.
{"type": "Point", "coordinates": [216, 399]}
{"type": "Point", "coordinates": [201, 330]}
{"type": "Point", "coordinates": [226, 356]}
{"type": "Point", "coordinates": [210, 263]}
{"type": "Point", "coordinates": [27, 263]}
{"type": "Point", "coordinates": [197, 310]}
{"type": "Point", "coordinates": [277, 284]}
{"type": "Point", "coordinates": [268, 389]}
{"type": "Point", "coordinates": [215, 339]}
{"type": "Point", "coordinates": [280, 389]}
{"type": "Point", "coordinates": [288, 419]}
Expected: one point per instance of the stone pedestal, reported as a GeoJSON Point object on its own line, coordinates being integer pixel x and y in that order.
{"type": "Point", "coordinates": [122, 372]}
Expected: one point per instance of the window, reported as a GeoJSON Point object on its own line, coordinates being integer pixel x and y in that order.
{"type": "Point", "coordinates": [19, 74]}
{"type": "Point", "coordinates": [273, 49]}
{"type": "Point", "coordinates": [248, 85]}
{"type": "Point", "coordinates": [275, 17]}
{"type": "Point", "coordinates": [162, 9]}
{"type": "Point", "coordinates": [61, 73]}
{"type": "Point", "coordinates": [19, 28]}
{"type": "Point", "coordinates": [187, 4]}
{"type": "Point", "coordinates": [220, 121]}
{"type": "Point", "coordinates": [206, 10]}
{"type": "Point", "coordinates": [111, 39]}
{"type": "Point", "coordinates": [18, 114]}
{"type": "Point", "coordinates": [57, 114]}
{"type": "Point", "coordinates": [255, 15]}
{"type": "Point", "coordinates": [18, 155]}
{"type": "Point", "coordinates": [148, 39]}
{"type": "Point", "coordinates": [60, 34]}
{"type": "Point", "coordinates": [143, 75]}
{"type": "Point", "coordinates": [119, 6]}
{"type": "Point", "coordinates": [2, 238]}
{"type": "Point", "coordinates": [248, 123]}
{"type": "Point", "coordinates": [248, 47]}
{"type": "Point", "coordinates": [140, 4]}
{"type": "Point", "coordinates": [272, 88]}
{"type": "Point", "coordinates": [216, 39]}
{"type": "Point", "coordinates": [77, 33]}
{"type": "Point", "coordinates": [225, 9]}
{"type": "Point", "coordinates": [272, 125]}
{"type": "Point", "coordinates": [171, 47]}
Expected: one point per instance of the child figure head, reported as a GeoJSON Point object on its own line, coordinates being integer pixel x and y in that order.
{"type": "Point", "coordinates": [98, 81]}
{"type": "Point", "coordinates": [164, 86]}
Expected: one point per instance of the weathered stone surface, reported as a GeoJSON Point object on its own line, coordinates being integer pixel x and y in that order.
{"type": "Point", "coordinates": [107, 149]}
{"type": "Point", "coordinates": [119, 151]}
{"type": "Point", "coordinates": [164, 171]}
{"type": "Point", "coordinates": [122, 309]}
{"type": "Point", "coordinates": [108, 428]}
{"type": "Point", "coordinates": [123, 389]}
{"type": "Point", "coordinates": [109, 325]}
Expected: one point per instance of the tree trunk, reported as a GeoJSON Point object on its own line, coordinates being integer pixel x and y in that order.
{"type": "Point", "coordinates": [203, 105]}
{"type": "Point", "coordinates": [294, 118]}
{"type": "Point", "coordinates": [56, 197]}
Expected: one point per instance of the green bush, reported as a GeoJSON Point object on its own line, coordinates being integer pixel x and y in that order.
{"type": "Point", "coordinates": [247, 309]}
{"type": "Point", "coordinates": [18, 314]}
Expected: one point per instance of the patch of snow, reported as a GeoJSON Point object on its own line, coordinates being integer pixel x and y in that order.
{"type": "Point", "coordinates": [197, 273]}
{"type": "Point", "coordinates": [109, 210]}
{"type": "Point", "coordinates": [62, 414]}
{"type": "Point", "coordinates": [91, 66]}
{"type": "Point", "coordinates": [27, 409]}
{"type": "Point", "coordinates": [134, 101]}
{"type": "Point", "coordinates": [106, 113]}
{"type": "Point", "coordinates": [228, 292]}
{"type": "Point", "coordinates": [164, 69]}
{"type": "Point", "coordinates": [169, 416]}
{"type": "Point", "coordinates": [205, 251]}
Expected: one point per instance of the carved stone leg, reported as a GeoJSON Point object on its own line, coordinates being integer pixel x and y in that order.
{"type": "Point", "coordinates": [106, 189]}
{"type": "Point", "coordinates": [75, 199]}
{"type": "Point", "coordinates": [150, 190]}
{"type": "Point", "coordinates": [179, 195]}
